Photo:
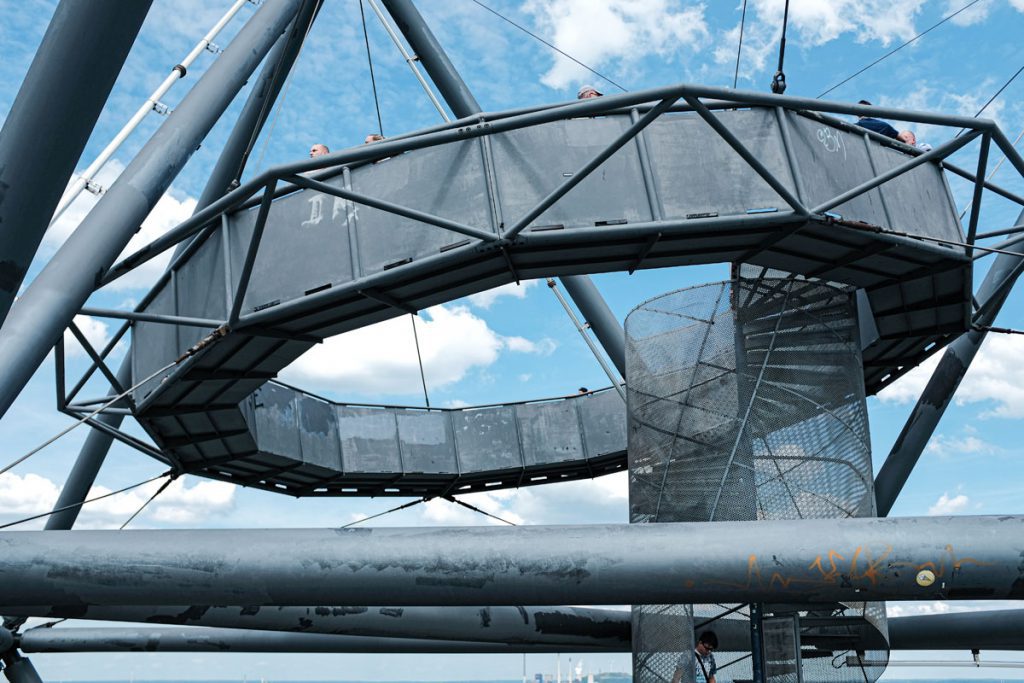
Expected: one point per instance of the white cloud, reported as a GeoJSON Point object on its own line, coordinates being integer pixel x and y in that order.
{"type": "Point", "coordinates": [168, 212]}
{"type": "Point", "coordinates": [911, 609]}
{"type": "Point", "coordinates": [487, 298]}
{"type": "Point", "coordinates": [31, 494]}
{"type": "Point", "coordinates": [440, 511]}
{"type": "Point", "coordinates": [544, 347]}
{"type": "Point", "coordinates": [813, 23]}
{"type": "Point", "coordinates": [381, 358]}
{"type": "Point", "coordinates": [975, 14]}
{"type": "Point", "coordinates": [943, 445]}
{"type": "Point", "coordinates": [95, 332]}
{"type": "Point", "coordinates": [946, 505]}
{"type": "Point", "coordinates": [996, 378]}
{"type": "Point", "coordinates": [597, 32]}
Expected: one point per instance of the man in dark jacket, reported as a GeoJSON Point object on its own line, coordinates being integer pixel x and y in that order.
{"type": "Point", "coordinates": [877, 125]}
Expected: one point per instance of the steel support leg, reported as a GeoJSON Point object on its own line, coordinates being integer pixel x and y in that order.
{"type": "Point", "coordinates": [52, 117]}
{"type": "Point", "coordinates": [40, 315]}
{"type": "Point", "coordinates": [602, 321]}
{"type": "Point", "coordinates": [433, 57]}
{"type": "Point", "coordinates": [945, 379]}
{"type": "Point", "coordinates": [229, 166]}
{"type": "Point", "coordinates": [757, 643]}
{"type": "Point", "coordinates": [17, 669]}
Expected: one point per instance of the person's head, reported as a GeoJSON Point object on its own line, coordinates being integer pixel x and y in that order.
{"type": "Point", "coordinates": [707, 642]}
{"type": "Point", "coordinates": [318, 150]}
{"type": "Point", "coordinates": [584, 390]}
{"type": "Point", "coordinates": [373, 137]}
{"type": "Point", "coordinates": [587, 91]}
{"type": "Point", "coordinates": [907, 137]}
{"type": "Point", "coordinates": [864, 102]}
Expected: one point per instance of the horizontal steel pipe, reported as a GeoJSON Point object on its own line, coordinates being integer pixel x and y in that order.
{"type": "Point", "coordinates": [986, 630]}
{"type": "Point", "coordinates": [554, 626]}
{"type": "Point", "coordinates": [795, 561]}
{"type": "Point", "coordinates": [189, 639]}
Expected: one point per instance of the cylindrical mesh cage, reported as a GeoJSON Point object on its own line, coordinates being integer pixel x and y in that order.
{"type": "Point", "coordinates": [746, 402]}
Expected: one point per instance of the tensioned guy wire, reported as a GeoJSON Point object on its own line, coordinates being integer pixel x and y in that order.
{"type": "Point", "coordinates": [561, 52]}
{"type": "Point", "coordinates": [86, 418]}
{"type": "Point", "coordinates": [895, 50]}
{"type": "Point", "coordinates": [90, 500]}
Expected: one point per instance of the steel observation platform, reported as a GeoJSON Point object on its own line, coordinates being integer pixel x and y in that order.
{"type": "Point", "coordinates": [424, 219]}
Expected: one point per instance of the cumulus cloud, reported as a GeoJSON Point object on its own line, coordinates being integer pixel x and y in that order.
{"type": "Point", "coordinates": [95, 332]}
{"type": "Point", "coordinates": [975, 14]}
{"type": "Point", "coordinates": [598, 32]}
{"type": "Point", "coordinates": [947, 505]}
{"type": "Point", "coordinates": [995, 379]}
{"type": "Point", "coordinates": [602, 499]}
{"type": "Point", "coordinates": [487, 299]}
{"type": "Point", "coordinates": [381, 358]}
{"type": "Point", "coordinates": [943, 445]}
{"type": "Point", "coordinates": [31, 494]}
{"type": "Point", "coordinates": [171, 209]}
{"type": "Point", "coordinates": [813, 23]}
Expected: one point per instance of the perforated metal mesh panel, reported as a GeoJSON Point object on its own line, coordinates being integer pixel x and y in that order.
{"type": "Point", "coordinates": [746, 402]}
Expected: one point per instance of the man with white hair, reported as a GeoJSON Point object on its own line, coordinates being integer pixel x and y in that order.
{"type": "Point", "coordinates": [587, 91]}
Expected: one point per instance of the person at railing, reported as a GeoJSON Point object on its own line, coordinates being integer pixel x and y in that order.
{"type": "Point", "coordinates": [318, 150]}
{"type": "Point", "coordinates": [907, 137]}
{"type": "Point", "coordinates": [586, 92]}
{"type": "Point", "coordinates": [877, 125]}
{"type": "Point", "coordinates": [373, 137]}
{"type": "Point", "coordinates": [703, 661]}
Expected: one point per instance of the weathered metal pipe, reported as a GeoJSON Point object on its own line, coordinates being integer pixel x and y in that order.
{"type": "Point", "coordinates": [987, 630]}
{"type": "Point", "coordinates": [554, 626]}
{"type": "Point", "coordinates": [794, 561]}
{"type": "Point", "coordinates": [190, 639]}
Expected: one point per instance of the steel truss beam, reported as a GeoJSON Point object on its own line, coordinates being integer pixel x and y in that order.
{"type": "Point", "coordinates": [796, 561]}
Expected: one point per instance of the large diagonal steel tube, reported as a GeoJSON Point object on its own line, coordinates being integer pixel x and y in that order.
{"type": "Point", "coordinates": [74, 70]}
{"type": "Point", "coordinates": [793, 561]}
{"type": "Point", "coordinates": [232, 159]}
{"type": "Point", "coordinates": [51, 301]}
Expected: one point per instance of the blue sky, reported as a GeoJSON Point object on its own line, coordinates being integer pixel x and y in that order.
{"type": "Point", "coordinates": [517, 343]}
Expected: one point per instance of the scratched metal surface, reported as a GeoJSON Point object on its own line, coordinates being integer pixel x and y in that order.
{"type": "Point", "coordinates": [806, 561]}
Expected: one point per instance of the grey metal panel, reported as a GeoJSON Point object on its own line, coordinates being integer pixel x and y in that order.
{"type": "Point", "coordinates": [447, 181]}
{"type": "Point", "coordinates": [487, 439]}
{"type": "Point", "coordinates": [153, 344]}
{"type": "Point", "coordinates": [426, 441]}
{"type": "Point", "coordinates": [318, 432]}
{"type": "Point", "coordinates": [697, 171]}
{"type": "Point", "coordinates": [276, 422]}
{"type": "Point", "coordinates": [550, 432]}
{"type": "Point", "coordinates": [531, 162]}
{"type": "Point", "coordinates": [917, 200]}
{"type": "Point", "coordinates": [200, 290]}
{"type": "Point", "coordinates": [304, 247]}
{"type": "Point", "coordinates": [833, 161]}
{"type": "Point", "coordinates": [369, 440]}
{"type": "Point", "coordinates": [603, 418]}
